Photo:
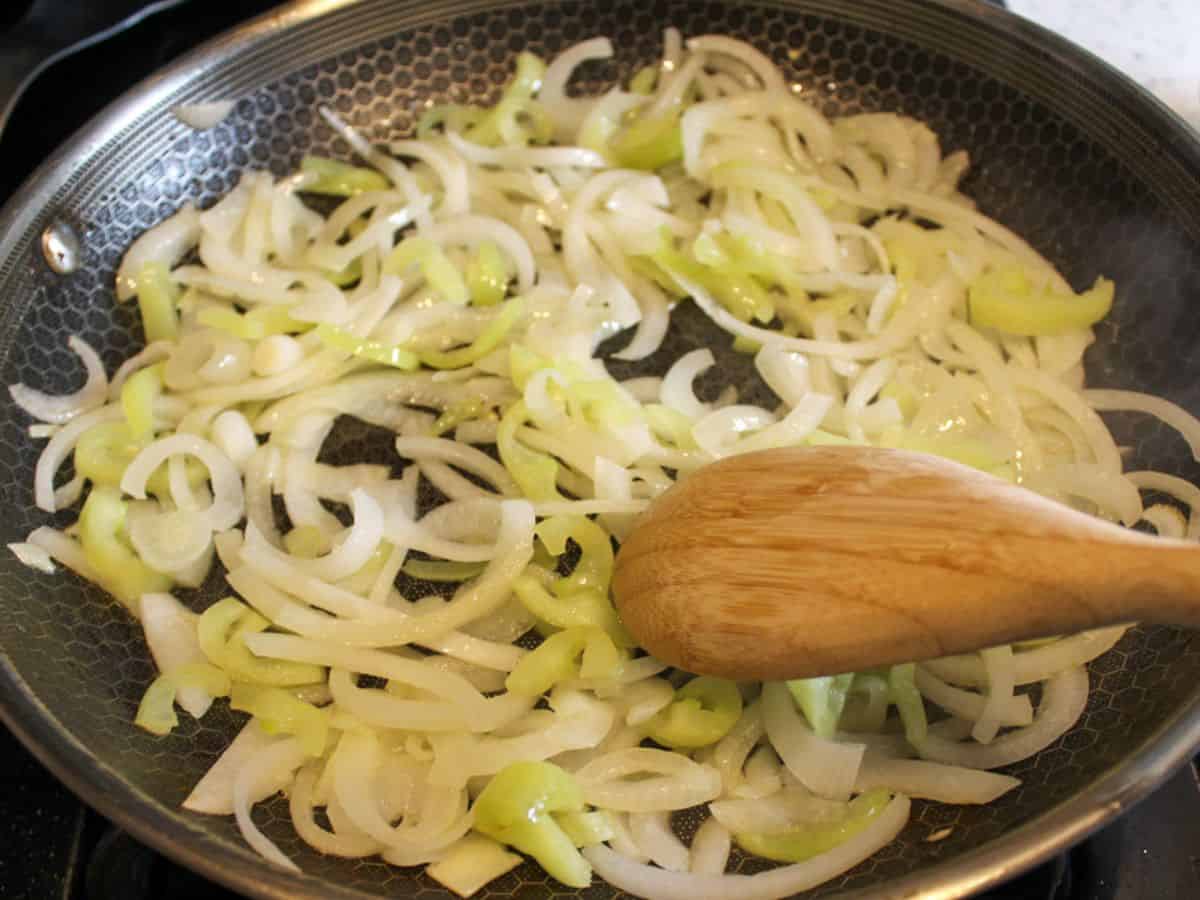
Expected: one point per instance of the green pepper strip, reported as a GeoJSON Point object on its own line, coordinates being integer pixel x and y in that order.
{"type": "Point", "coordinates": [102, 535]}
{"type": "Point", "coordinates": [703, 712]}
{"type": "Point", "coordinates": [808, 841]}
{"type": "Point", "coordinates": [156, 712]}
{"type": "Point", "coordinates": [222, 631]}
{"type": "Point", "coordinates": [595, 567]}
{"type": "Point", "coordinates": [535, 473]}
{"type": "Point", "coordinates": [517, 807]}
{"type": "Point", "coordinates": [649, 143]}
{"type": "Point", "coordinates": [741, 294]}
{"type": "Point", "coordinates": [558, 658]}
{"type": "Point", "coordinates": [440, 570]}
{"type": "Point", "coordinates": [582, 609]}
{"type": "Point", "coordinates": [489, 339]}
{"type": "Point", "coordinates": [339, 179]}
{"type": "Point", "coordinates": [517, 96]}
{"type": "Point", "coordinates": [585, 829]}
{"type": "Point", "coordinates": [1003, 299]}
{"type": "Point", "coordinates": [279, 712]}
{"type": "Point", "coordinates": [138, 394]}
{"type": "Point", "coordinates": [822, 700]}
{"type": "Point", "coordinates": [157, 297]}
{"type": "Point", "coordinates": [487, 275]}
{"type": "Point", "coordinates": [103, 452]}
{"type": "Point", "coordinates": [436, 268]}
{"type": "Point", "coordinates": [258, 323]}
{"type": "Point", "coordinates": [385, 354]}
{"type": "Point", "coordinates": [902, 688]}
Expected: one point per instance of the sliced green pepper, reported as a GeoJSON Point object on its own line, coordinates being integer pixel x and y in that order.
{"type": "Point", "coordinates": [489, 339]}
{"type": "Point", "coordinates": [487, 275]}
{"type": "Point", "coordinates": [339, 179]}
{"type": "Point", "coordinates": [258, 323]}
{"type": "Point", "coordinates": [222, 630]}
{"type": "Point", "coordinates": [138, 394]}
{"type": "Point", "coordinates": [517, 807]}
{"type": "Point", "coordinates": [822, 700]}
{"type": "Point", "coordinates": [703, 712]}
{"type": "Point", "coordinates": [385, 354]}
{"type": "Point", "coordinates": [280, 712]}
{"type": "Point", "coordinates": [436, 268]}
{"type": "Point", "coordinates": [594, 569]}
{"type": "Point", "coordinates": [156, 712]}
{"type": "Point", "coordinates": [574, 652]}
{"type": "Point", "coordinates": [441, 570]}
{"type": "Point", "coordinates": [808, 841]}
{"type": "Point", "coordinates": [157, 298]}
{"type": "Point", "coordinates": [902, 688]}
{"type": "Point", "coordinates": [535, 473]}
{"type": "Point", "coordinates": [1004, 299]}
{"type": "Point", "coordinates": [102, 534]}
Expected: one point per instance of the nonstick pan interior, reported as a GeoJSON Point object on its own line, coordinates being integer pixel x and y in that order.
{"type": "Point", "coordinates": [1072, 156]}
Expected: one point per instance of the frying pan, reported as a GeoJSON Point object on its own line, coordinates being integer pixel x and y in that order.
{"type": "Point", "coordinates": [1093, 171]}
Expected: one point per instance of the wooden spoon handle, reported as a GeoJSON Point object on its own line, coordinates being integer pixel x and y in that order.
{"type": "Point", "coordinates": [791, 563]}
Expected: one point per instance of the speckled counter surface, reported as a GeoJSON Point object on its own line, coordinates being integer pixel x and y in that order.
{"type": "Point", "coordinates": [1157, 42]}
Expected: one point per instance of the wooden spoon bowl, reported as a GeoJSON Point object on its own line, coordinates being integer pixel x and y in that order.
{"type": "Point", "coordinates": [797, 562]}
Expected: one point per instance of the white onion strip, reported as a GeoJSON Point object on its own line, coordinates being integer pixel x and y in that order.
{"type": "Point", "coordinates": [647, 881]}
{"type": "Point", "coordinates": [228, 501]}
{"type": "Point", "coordinates": [1063, 700]}
{"type": "Point", "coordinates": [60, 409]}
{"type": "Point", "coordinates": [827, 768]}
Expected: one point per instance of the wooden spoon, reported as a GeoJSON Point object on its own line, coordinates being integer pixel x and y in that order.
{"type": "Point", "coordinates": [799, 562]}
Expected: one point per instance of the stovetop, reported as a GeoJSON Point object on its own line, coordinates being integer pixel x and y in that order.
{"type": "Point", "coordinates": [52, 847]}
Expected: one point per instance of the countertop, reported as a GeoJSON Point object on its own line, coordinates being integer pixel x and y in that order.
{"type": "Point", "coordinates": [1156, 42]}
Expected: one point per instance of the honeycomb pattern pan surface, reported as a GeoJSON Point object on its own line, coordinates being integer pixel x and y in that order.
{"type": "Point", "coordinates": [1091, 170]}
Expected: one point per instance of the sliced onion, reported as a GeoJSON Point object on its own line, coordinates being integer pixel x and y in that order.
{"type": "Point", "coordinates": [228, 501]}
{"type": "Point", "coordinates": [355, 547]}
{"type": "Point", "coordinates": [652, 833]}
{"type": "Point", "coordinates": [265, 773]}
{"type": "Point", "coordinates": [1032, 665]}
{"type": "Point", "coordinates": [781, 812]}
{"type": "Point", "coordinates": [59, 409]}
{"type": "Point", "coordinates": [170, 629]}
{"type": "Point", "coordinates": [203, 116]}
{"type": "Point", "coordinates": [647, 881]}
{"type": "Point", "coordinates": [63, 549]}
{"type": "Point", "coordinates": [464, 457]}
{"type": "Point", "coordinates": [55, 453]}
{"type": "Point", "coordinates": [213, 794]}
{"type": "Point", "coordinates": [932, 781]}
{"type": "Point", "coordinates": [170, 541]}
{"type": "Point", "coordinates": [352, 845]}
{"type": "Point", "coordinates": [710, 848]}
{"type": "Point", "coordinates": [969, 705]}
{"type": "Point", "coordinates": [566, 113]}
{"type": "Point", "coordinates": [827, 768]}
{"type": "Point", "coordinates": [33, 556]}
{"type": "Point", "coordinates": [676, 391]}
{"type": "Point", "coordinates": [669, 781]}
{"type": "Point", "coordinates": [1131, 401]}
{"type": "Point", "coordinates": [1001, 674]}
{"type": "Point", "coordinates": [730, 753]}
{"type": "Point", "coordinates": [167, 243]}
{"type": "Point", "coordinates": [1063, 699]}
{"type": "Point", "coordinates": [785, 373]}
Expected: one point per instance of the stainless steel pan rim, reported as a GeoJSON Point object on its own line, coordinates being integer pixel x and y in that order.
{"type": "Point", "coordinates": [333, 22]}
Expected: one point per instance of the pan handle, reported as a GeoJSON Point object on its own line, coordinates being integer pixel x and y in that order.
{"type": "Point", "coordinates": [20, 63]}
{"type": "Point", "coordinates": [52, 29]}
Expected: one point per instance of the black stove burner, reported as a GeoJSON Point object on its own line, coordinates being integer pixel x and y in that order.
{"type": "Point", "coordinates": [52, 846]}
